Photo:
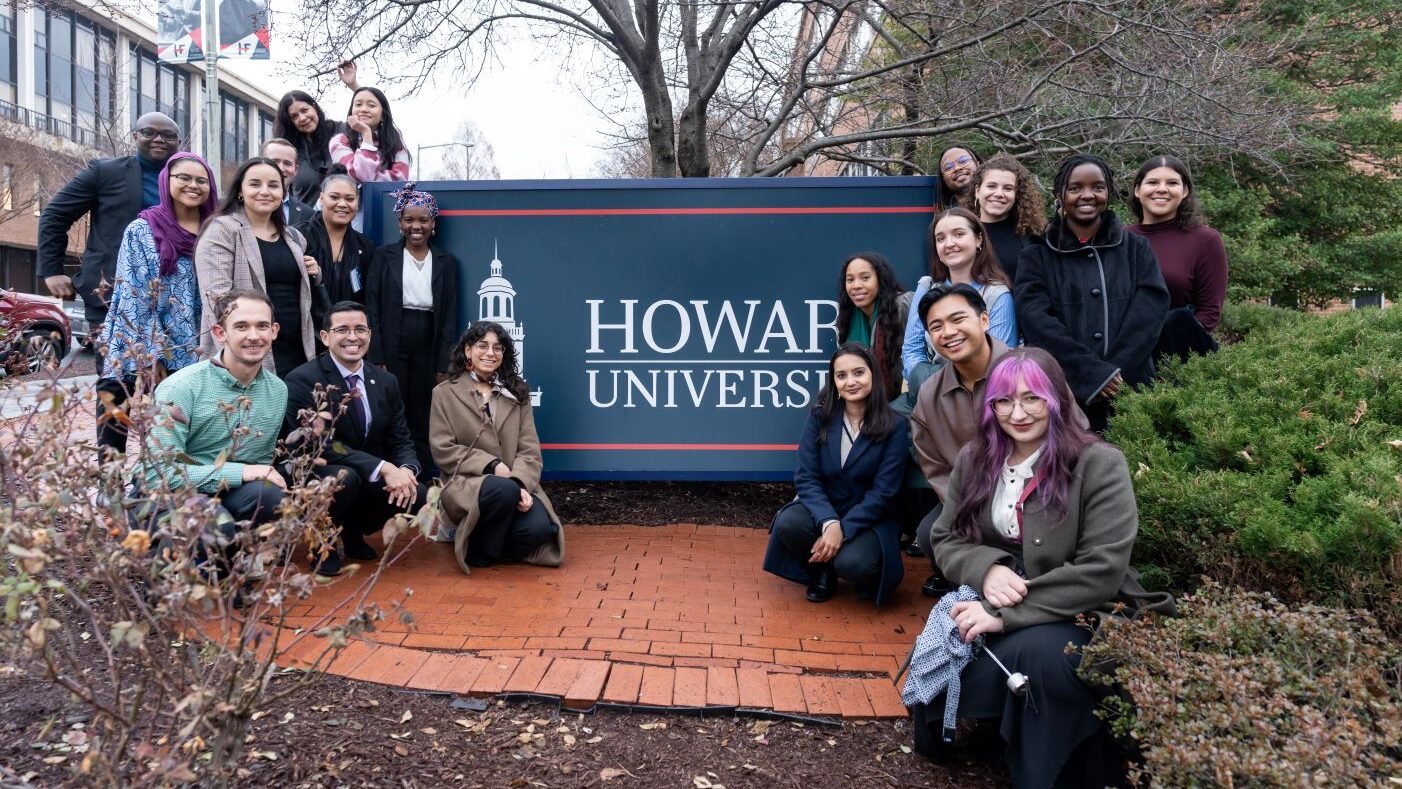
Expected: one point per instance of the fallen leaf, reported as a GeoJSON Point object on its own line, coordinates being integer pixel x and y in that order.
{"type": "Point", "coordinates": [905, 749]}
{"type": "Point", "coordinates": [55, 759]}
{"type": "Point", "coordinates": [401, 750]}
{"type": "Point", "coordinates": [653, 726]}
{"type": "Point", "coordinates": [1358, 413]}
{"type": "Point", "coordinates": [594, 740]}
{"type": "Point", "coordinates": [610, 773]}
{"type": "Point", "coordinates": [406, 717]}
{"type": "Point", "coordinates": [702, 782]}
{"type": "Point", "coordinates": [429, 730]}
{"type": "Point", "coordinates": [569, 740]}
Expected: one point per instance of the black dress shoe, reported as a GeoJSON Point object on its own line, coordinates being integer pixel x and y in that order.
{"type": "Point", "coordinates": [823, 584]}
{"type": "Point", "coordinates": [913, 549]}
{"type": "Point", "coordinates": [935, 586]}
{"type": "Point", "coordinates": [358, 549]}
{"type": "Point", "coordinates": [329, 567]}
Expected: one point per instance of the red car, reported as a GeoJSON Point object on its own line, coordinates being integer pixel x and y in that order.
{"type": "Point", "coordinates": [35, 330]}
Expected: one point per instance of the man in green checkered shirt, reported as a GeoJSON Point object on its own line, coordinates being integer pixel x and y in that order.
{"type": "Point", "coordinates": [220, 417]}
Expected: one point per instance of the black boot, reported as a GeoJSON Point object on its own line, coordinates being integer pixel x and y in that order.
{"type": "Point", "coordinates": [824, 582]}
{"type": "Point", "coordinates": [936, 585]}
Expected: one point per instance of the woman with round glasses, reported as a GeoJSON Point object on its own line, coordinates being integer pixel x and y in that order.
{"type": "Point", "coordinates": [1040, 521]}
{"type": "Point", "coordinates": [484, 440]}
{"type": "Point", "coordinates": [153, 323]}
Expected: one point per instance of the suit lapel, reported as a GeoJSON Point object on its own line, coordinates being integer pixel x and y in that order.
{"type": "Point", "coordinates": [858, 447]}
{"type": "Point", "coordinates": [833, 446]}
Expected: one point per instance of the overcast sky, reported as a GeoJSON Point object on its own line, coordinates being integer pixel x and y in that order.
{"type": "Point", "coordinates": [536, 120]}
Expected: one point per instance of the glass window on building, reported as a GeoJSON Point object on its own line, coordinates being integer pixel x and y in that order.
{"type": "Point", "coordinates": [265, 128]}
{"type": "Point", "coordinates": [147, 101]}
{"type": "Point", "coordinates": [106, 92]}
{"type": "Point", "coordinates": [41, 53]}
{"type": "Point", "coordinates": [61, 67]}
{"type": "Point", "coordinates": [9, 57]}
{"type": "Point", "coordinates": [85, 75]}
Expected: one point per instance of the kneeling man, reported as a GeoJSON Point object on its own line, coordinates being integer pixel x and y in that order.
{"type": "Point", "coordinates": [370, 449]}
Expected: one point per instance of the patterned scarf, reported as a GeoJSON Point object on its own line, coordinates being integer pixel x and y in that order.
{"type": "Point", "coordinates": [173, 241]}
{"type": "Point", "coordinates": [408, 197]}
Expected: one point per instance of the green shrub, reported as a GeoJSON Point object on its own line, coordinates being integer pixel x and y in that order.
{"type": "Point", "coordinates": [1243, 691]}
{"type": "Point", "coordinates": [1274, 463]}
{"type": "Point", "coordinates": [1241, 320]}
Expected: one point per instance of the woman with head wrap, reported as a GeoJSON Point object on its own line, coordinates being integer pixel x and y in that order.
{"type": "Point", "coordinates": [154, 320]}
{"type": "Point", "coordinates": [411, 298]}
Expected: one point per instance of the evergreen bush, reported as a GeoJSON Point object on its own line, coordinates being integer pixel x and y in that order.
{"type": "Point", "coordinates": [1276, 463]}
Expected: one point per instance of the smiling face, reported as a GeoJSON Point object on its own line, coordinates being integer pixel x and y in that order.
{"type": "Point", "coordinates": [189, 184]}
{"type": "Point", "coordinates": [366, 108]}
{"type": "Point", "coordinates": [416, 225]}
{"type": "Point", "coordinates": [339, 202]}
{"type": "Point", "coordinates": [1086, 197]}
{"type": "Point", "coordinates": [861, 284]}
{"type": "Point", "coordinates": [286, 158]}
{"type": "Point", "coordinates": [261, 189]}
{"type": "Point", "coordinates": [957, 244]}
{"type": "Point", "coordinates": [348, 339]}
{"type": "Point", "coordinates": [484, 356]}
{"type": "Point", "coordinates": [852, 377]}
{"type": "Point", "coordinates": [247, 332]}
{"type": "Point", "coordinates": [304, 116]}
{"type": "Point", "coordinates": [957, 166]}
{"type": "Point", "coordinates": [1023, 416]}
{"type": "Point", "coordinates": [1160, 194]}
{"type": "Point", "coordinates": [156, 136]}
{"type": "Point", "coordinates": [958, 332]}
{"type": "Point", "coordinates": [996, 194]}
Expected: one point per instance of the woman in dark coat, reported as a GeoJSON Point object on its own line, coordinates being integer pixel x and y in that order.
{"type": "Point", "coordinates": [301, 122]}
{"type": "Point", "coordinates": [1040, 521]}
{"type": "Point", "coordinates": [411, 299]}
{"type": "Point", "coordinates": [851, 461]}
{"type": "Point", "coordinates": [1091, 293]}
{"type": "Point", "coordinates": [343, 252]}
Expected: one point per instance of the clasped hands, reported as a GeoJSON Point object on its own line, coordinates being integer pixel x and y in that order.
{"type": "Point", "coordinates": [503, 470]}
{"type": "Point", "coordinates": [401, 485]}
{"type": "Point", "coordinates": [1004, 589]}
{"type": "Point", "coordinates": [828, 544]}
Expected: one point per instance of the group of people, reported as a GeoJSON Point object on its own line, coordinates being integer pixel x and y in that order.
{"type": "Point", "coordinates": [264, 298]}
{"type": "Point", "coordinates": [996, 376]}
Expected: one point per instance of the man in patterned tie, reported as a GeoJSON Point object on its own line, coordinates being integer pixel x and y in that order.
{"type": "Point", "coordinates": [370, 448]}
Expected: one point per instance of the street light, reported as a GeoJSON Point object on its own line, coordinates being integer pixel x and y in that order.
{"type": "Point", "coordinates": [419, 149]}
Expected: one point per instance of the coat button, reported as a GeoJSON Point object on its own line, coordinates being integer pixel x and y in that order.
{"type": "Point", "coordinates": [1098, 336]}
{"type": "Point", "coordinates": [1095, 291]}
{"type": "Point", "coordinates": [1037, 541]}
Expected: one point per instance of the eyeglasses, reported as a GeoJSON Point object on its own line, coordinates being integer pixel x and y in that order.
{"type": "Point", "coordinates": [965, 159]}
{"type": "Point", "coordinates": [164, 134]}
{"type": "Point", "coordinates": [359, 331]}
{"type": "Point", "coordinates": [187, 179]}
{"type": "Point", "coordinates": [485, 347]}
{"type": "Point", "coordinates": [1032, 405]}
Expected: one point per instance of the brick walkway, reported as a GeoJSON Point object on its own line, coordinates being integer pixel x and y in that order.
{"type": "Point", "coordinates": [673, 616]}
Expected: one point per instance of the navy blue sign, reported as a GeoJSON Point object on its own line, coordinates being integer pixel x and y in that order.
{"type": "Point", "coordinates": [672, 328]}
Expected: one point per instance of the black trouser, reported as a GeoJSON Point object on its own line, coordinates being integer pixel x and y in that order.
{"type": "Point", "coordinates": [857, 561]}
{"type": "Point", "coordinates": [111, 432]}
{"type": "Point", "coordinates": [1183, 336]}
{"type": "Point", "coordinates": [922, 534]}
{"type": "Point", "coordinates": [911, 504]}
{"type": "Point", "coordinates": [503, 532]}
{"type": "Point", "coordinates": [361, 507]}
{"type": "Point", "coordinates": [252, 503]}
{"type": "Point", "coordinates": [414, 367]}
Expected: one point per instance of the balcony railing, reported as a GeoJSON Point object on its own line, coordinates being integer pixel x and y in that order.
{"type": "Point", "coordinates": [47, 124]}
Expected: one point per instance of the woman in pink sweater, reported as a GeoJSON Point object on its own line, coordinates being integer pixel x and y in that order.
{"type": "Point", "coordinates": [371, 148]}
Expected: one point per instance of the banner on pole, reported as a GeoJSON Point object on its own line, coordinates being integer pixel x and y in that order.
{"type": "Point", "coordinates": [671, 328]}
{"type": "Point", "coordinates": [179, 31]}
{"type": "Point", "coordinates": [243, 30]}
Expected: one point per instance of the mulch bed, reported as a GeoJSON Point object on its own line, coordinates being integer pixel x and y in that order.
{"type": "Point", "coordinates": [745, 504]}
{"type": "Point", "coordinates": [346, 733]}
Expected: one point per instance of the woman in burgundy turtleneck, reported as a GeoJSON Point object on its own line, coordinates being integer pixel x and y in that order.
{"type": "Point", "coordinates": [1191, 255]}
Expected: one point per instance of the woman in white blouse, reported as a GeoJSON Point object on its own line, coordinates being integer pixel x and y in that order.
{"type": "Point", "coordinates": [411, 298]}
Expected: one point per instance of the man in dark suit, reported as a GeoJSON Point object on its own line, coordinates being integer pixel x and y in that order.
{"type": "Point", "coordinates": [112, 191]}
{"type": "Point", "coordinates": [284, 154]}
{"type": "Point", "coordinates": [370, 448]}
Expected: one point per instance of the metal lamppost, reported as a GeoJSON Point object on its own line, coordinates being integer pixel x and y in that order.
{"type": "Point", "coordinates": [419, 149]}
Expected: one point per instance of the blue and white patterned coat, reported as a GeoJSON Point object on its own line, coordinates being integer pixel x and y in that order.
{"type": "Point", "coordinates": [150, 315]}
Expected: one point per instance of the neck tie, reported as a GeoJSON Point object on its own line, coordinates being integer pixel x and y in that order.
{"type": "Point", "coordinates": [362, 408]}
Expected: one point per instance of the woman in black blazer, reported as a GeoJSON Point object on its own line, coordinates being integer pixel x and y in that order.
{"type": "Point", "coordinates": [411, 299]}
{"type": "Point", "coordinates": [851, 461]}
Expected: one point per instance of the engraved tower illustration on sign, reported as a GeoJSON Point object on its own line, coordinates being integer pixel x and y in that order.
{"type": "Point", "coordinates": [496, 302]}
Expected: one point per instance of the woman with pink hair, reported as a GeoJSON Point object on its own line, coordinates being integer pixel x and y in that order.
{"type": "Point", "coordinates": [1040, 522]}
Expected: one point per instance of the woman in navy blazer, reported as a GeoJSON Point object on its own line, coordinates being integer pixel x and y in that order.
{"type": "Point", "coordinates": [851, 460]}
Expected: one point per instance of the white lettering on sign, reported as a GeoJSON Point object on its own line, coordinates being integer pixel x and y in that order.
{"type": "Point", "coordinates": [666, 326]}
{"type": "Point", "coordinates": [729, 388]}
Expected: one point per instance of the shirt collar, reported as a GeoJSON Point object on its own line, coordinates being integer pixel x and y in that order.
{"type": "Point", "coordinates": [951, 381]}
{"type": "Point", "coordinates": [1025, 470]}
{"type": "Point", "coordinates": [217, 363]}
{"type": "Point", "coordinates": [345, 371]}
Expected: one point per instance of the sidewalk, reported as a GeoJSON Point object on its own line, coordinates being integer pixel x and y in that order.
{"type": "Point", "coordinates": [669, 616]}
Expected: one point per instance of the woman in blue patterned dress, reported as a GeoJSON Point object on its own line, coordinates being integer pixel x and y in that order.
{"type": "Point", "coordinates": [153, 322]}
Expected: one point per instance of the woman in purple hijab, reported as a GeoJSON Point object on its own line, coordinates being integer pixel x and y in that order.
{"type": "Point", "coordinates": [153, 323]}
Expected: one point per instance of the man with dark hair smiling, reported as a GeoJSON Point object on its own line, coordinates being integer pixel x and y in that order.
{"type": "Point", "coordinates": [949, 404]}
{"type": "Point", "coordinates": [370, 448]}
{"type": "Point", "coordinates": [225, 415]}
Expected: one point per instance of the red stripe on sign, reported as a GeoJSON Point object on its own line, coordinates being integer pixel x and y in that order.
{"type": "Point", "coordinates": [676, 447]}
{"type": "Point", "coordinates": [851, 209]}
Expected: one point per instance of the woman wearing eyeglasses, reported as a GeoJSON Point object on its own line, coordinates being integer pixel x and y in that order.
{"type": "Point", "coordinates": [153, 322]}
{"type": "Point", "coordinates": [1040, 521]}
{"type": "Point", "coordinates": [412, 302]}
{"type": "Point", "coordinates": [484, 440]}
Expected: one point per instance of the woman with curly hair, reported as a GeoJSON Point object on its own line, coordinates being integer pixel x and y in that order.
{"type": "Point", "coordinates": [871, 310]}
{"type": "Point", "coordinates": [1191, 255]}
{"type": "Point", "coordinates": [483, 438]}
{"type": "Point", "coordinates": [1009, 204]}
{"type": "Point", "coordinates": [411, 299]}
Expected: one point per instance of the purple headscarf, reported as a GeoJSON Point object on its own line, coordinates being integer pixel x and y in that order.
{"type": "Point", "coordinates": [172, 240]}
{"type": "Point", "coordinates": [408, 197]}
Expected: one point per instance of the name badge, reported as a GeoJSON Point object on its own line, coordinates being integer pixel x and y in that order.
{"type": "Point", "coordinates": [355, 279]}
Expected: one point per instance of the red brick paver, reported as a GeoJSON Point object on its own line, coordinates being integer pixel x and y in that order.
{"type": "Point", "coordinates": [662, 616]}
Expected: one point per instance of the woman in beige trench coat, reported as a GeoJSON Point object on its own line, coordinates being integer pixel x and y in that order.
{"type": "Point", "coordinates": [483, 438]}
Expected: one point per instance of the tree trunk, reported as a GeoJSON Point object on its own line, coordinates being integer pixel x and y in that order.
{"type": "Point", "coordinates": [661, 129]}
{"type": "Point", "coordinates": [693, 153]}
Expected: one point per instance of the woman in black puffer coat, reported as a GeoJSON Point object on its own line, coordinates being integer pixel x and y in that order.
{"type": "Point", "coordinates": [1091, 293]}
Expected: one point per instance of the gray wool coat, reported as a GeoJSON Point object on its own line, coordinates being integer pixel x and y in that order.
{"type": "Point", "coordinates": [1077, 566]}
{"type": "Point", "coordinates": [463, 444]}
{"type": "Point", "coordinates": [227, 258]}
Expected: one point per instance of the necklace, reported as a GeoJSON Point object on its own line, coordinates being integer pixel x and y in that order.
{"type": "Point", "coordinates": [851, 430]}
